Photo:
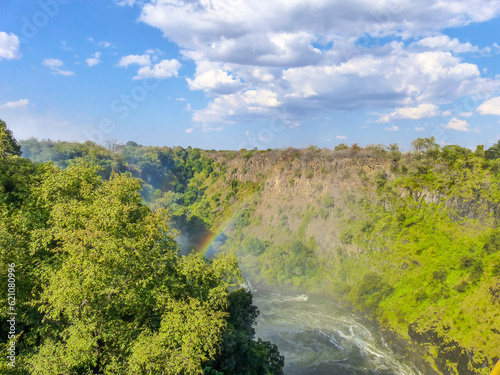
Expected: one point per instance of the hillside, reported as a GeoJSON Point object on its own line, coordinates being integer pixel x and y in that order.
{"type": "Point", "coordinates": [408, 239]}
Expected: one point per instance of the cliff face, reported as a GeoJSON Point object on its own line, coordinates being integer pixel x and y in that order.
{"type": "Point", "coordinates": [290, 186]}
{"type": "Point", "coordinates": [374, 232]}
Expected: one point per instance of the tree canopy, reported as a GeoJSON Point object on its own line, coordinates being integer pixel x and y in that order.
{"type": "Point", "coordinates": [8, 144]}
{"type": "Point", "coordinates": [101, 288]}
{"type": "Point", "coordinates": [493, 152]}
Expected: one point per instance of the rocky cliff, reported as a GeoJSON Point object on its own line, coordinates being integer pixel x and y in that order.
{"type": "Point", "coordinates": [364, 218]}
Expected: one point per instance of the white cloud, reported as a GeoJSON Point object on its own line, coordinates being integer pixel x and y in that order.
{"type": "Point", "coordinates": [419, 129]}
{"type": "Point", "coordinates": [55, 66]}
{"type": "Point", "coordinates": [444, 43]}
{"type": "Point", "coordinates": [154, 53]}
{"type": "Point", "coordinates": [162, 70]}
{"type": "Point", "coordinates": [490, 107]}
{"type": "Point", "coordinates": [22, 103]}
{"type": "Point", "coordinates": [213, 80]}
{"type": "Point", "coordinates": [456, 124]}
{"type": "Point", "coordinates": [393, 128]}
{"type": "Point", "coordinates": [341, 137]}
{"type": "Point", "coordinates": [195, 23]}
{"type": "Point", "coordinates": [126, 2]}
{"type": "Point", "coordinates": [391, 76]}
{"type": "Point", "coordinates": [142, 60]}
{"type": "Point", "coordinates": [94, 60]}
{"type": "Point", "coordinates": [412, 113]}
{"type": "Point", "coordinates": [189, 131]}
{"type": "Point", "coordinates": [9, 46]}
{"type": "Point", "coordinates": [310, 58]}
{"type": "Point", "coordinates": [104, 44]}
{"type": "Point", "coordinates": [53, 63]}
{"type": "Point", "coordinates": [233, 107]}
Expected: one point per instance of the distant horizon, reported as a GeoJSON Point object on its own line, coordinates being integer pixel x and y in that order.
{"type": "Point", "coordinates": [270, 74]}
{"type": "Point", "coordinates": [349, 145]}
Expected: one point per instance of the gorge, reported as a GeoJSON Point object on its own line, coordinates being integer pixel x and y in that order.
{"type": "Point", "coordinates": [409, 240]}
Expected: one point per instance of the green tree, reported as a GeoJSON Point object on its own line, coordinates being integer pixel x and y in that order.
{"type": "Point", "coordinates": [480, 153]}
{"type": "Point", "coordinates": [426, 145]}
{"type": "Point", "coordinates": [239, 353]}
{"type": "Point", "coordinates": [341, 146]}
{"type": "Point", "coordinates": [8, 144]}
{"type": "Point", "coordinates": [493, 152]}
{"type": "Point", "coordinates": [102, 289]}
{"type": "Point", "coordinates": [253, 246]}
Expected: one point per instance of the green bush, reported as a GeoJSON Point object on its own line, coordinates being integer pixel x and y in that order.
{"type": "Point", "coordinates": [253, 246]}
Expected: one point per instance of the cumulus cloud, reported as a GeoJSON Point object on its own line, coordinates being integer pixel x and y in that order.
{"type": "Point", "coordinates": [193, 23]}
{"type": "Point", "coordinates": [164, 69]}
{"type": "Point", "coordinates": [55, 66]}
{"type": "Point", "coordinates": [22, 103]}
{"type": "Point", "coordinates": [456, 124]}
{"type": "Point", "coordinates": [445, 43]}
{"type": "Point", "coordinates": [214, 80]}
{"type": "Point", "coordinates": [414, 113]}
{"type": "Point", "coordinates": [9, 46]}
{"type": "Point", "coordinates": [308, 56]}
{"type": "Point", "coordinates": [490, 107]}
{"type": "Point", "coordinates": [391, 76]}
{"type": "Point", "coordinates": [148, 69]}
{"type": "Point", "coordinates": [142, 60]}
{"type": "Point", "coordinates": [234, 107]}
{"type": "Point", "coordinates": [94, 60]}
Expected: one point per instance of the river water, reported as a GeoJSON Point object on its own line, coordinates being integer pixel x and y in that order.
{"type": "Point", "coordinates": [318, 337]}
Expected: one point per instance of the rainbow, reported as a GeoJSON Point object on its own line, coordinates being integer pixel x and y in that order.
{"type": "Point", "coordinates": [206, 244]}
{"type": "Point", "coordinates": [205, 248]}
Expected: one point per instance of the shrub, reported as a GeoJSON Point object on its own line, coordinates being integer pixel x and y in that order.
{"type": "Point", "coordinates": [247, 155]}
{"type": "Point", "coordinates": [326, 201]}
{"type": "Point", "coordinates": [253, 246]}
{"type": "Point", "coordinates": [346, 237]}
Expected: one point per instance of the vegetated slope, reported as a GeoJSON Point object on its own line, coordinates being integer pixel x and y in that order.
{"type": "Point", "coordinates": [410, 239]}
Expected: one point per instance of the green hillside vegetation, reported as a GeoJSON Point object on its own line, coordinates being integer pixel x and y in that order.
{"type": "Point", "coordinates": [100, 285]}
{"type": "Point", "coordinates": [410, 239]}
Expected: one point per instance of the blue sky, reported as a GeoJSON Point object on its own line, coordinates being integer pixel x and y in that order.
{"type": "Point", "coordinates": [227, 74]}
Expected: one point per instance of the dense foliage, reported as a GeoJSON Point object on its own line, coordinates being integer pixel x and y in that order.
{"type": "Point", "coordinates": [100, 286]}
{"type": "Point", "coordinates": [431, 256]}
{"type": "Point", "coordinates": [417, 244]}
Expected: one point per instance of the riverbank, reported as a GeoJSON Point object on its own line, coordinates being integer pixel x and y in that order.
{"type": "Point", "coordinates": [317, 336]}
{"type": "Point", "coordinates": [429, 353]}
{"type": "Point", "coordinates": [411, 351]}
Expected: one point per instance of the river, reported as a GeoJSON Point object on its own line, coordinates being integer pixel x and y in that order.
{"type": "Point", "coordinates": [317, 337]}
